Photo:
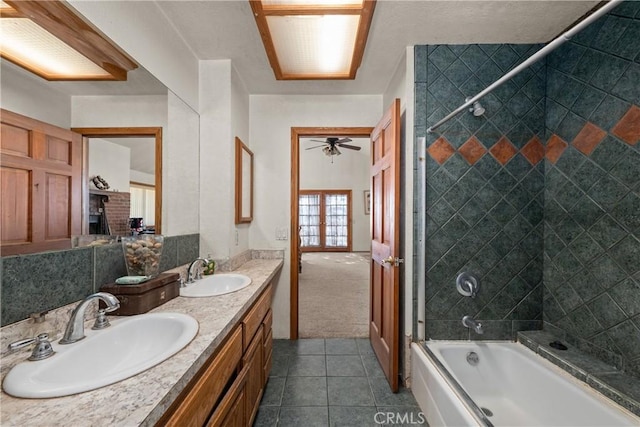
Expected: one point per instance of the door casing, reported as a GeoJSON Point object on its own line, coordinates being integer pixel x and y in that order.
{"type": "Point", "coordinates": [296, 134]}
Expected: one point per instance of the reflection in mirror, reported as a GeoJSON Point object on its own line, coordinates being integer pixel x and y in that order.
{"type": "Point", "coordinates": [56, 103]}
{"type": "Point", "coordinates": [244, 183]}
{"type": "Point", "coordinates": [124, 177]}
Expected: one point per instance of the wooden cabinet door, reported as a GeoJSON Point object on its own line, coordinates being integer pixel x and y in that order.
{"type": "Point", "coordinates": [252, 362]}
{"type": "Point", "coordinates": [41, 174]}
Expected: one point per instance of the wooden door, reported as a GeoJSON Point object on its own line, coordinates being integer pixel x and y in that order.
{"type": "Point", "coordinates": [41, 172]}
{"type": "Point", "coordinates": [384, 326]}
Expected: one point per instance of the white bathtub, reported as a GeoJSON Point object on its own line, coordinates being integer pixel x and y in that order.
{"type": "Point", "coordinates": [517, 386]}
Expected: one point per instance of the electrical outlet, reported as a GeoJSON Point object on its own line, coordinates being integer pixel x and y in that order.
{"type": "Point", "coordinates": [237, 239]}
{"type": "Point", "coordinates": [282, 233]}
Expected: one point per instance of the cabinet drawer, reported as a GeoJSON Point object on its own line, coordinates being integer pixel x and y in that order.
{"type": "Point", "coordinates": [207, 387]}
{"type": "Point", "coordinates": [231, 411]}
{"type": "Point", "coordinates": [254, 317]}
{"type": "Point", "coordinates": [268, 321]}
{"type": "Point", "coordinates": [252, 361]}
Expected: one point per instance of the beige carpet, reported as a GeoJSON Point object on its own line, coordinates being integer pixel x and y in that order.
{"type": "Point", "coordinates": [333, 295]}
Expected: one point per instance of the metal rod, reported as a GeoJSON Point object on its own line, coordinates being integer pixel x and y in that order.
{"type": "Point", "coordinates": [550, 47]}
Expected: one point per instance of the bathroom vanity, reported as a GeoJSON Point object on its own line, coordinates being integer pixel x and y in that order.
{"type": "Point", "coordinates": [217, 379]}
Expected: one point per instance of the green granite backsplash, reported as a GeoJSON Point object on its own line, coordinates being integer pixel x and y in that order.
{"type": "Point", "coordinates": [44, 281]}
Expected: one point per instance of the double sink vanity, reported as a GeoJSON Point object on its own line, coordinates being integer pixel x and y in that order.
{"type": "Point", "coordinates": [200, 359]}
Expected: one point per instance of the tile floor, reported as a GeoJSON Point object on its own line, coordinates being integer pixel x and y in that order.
{"type": "Point", "coordinates": [331, 382]}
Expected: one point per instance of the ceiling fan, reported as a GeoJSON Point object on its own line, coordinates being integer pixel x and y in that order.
{"type": "Point", "coordinates": [332, 144]}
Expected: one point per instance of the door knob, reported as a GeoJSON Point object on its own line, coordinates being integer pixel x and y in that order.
{"type": "Point", "coordinates": [388, 260]}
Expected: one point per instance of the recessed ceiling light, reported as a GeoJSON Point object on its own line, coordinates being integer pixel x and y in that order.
{"type": "Point", "coordinates": [322, 39]}
{"type": "Point", "coordinates": [50, 40]}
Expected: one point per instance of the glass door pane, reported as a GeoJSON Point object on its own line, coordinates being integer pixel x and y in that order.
{"type": "Point", "coordinates": [309, 220]}
{"type": "Point", "coordinates": [336, 220]}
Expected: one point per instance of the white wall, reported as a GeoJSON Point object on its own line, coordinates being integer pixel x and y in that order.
{"type": "Point", "coordinates": [180, 169]}
{"type": "Point", "coordinates": [110, 161]}
{"type": "Point", "coordinates": [349, 171]}
{"type": "Point", "coordinates": [142, 177]}
{"type": "Point", "coordinates": [216, 158]}
{"type": "Point", "coordinates": [142, 30]}
{"type": "Point", "coordinates": [31, 96]}
{"type": "Point", "coordinates": [271, 119]}
{"type": "Point", "coordinates": [240, 129]}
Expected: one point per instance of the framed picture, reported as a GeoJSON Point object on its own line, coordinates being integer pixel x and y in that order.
{"type": "Point", "coordinates": [367, 202]}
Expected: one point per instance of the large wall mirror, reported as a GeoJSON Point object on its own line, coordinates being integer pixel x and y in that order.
{"type": "Point", "coordinates": [52, 103]}
{"type": "Point", "coordinates": [244, 183]}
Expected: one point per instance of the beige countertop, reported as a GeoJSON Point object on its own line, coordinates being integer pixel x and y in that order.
{"type": "Point", "coordinates": [142, 399]}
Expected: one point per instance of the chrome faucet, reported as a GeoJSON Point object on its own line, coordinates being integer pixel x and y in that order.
{"type": "Point", "coordinates": [75, 328]}
{"type": "Point", "coordinates": [190, 276]}
{"type": "Point", "coordinates": [468, 322]}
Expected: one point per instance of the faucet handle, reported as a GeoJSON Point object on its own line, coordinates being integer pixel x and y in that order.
{"type": "Point", "coordinates": [42, 349]}
{"type": "Point", "coordinates": [101, 321]}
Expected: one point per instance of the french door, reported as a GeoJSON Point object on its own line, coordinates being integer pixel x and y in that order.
{"type": "Point", "coordinates": [324, 220]}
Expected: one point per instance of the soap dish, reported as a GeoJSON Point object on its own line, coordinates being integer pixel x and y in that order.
{"type": "Point", "coordinates": [131, 280]}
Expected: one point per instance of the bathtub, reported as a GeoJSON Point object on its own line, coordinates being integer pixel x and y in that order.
{"type": "Point", "coordinates": [509, 386]}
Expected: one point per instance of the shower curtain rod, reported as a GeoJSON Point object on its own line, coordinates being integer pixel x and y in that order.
{"type": "Point", "coordinates": [551, 46]}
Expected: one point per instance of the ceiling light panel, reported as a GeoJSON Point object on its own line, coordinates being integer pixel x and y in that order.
{"type": "Point", "coordinates": [314, 39]}
{"type": "Point", "coordinates": [314, 44]}
{"type": "Point", "coordinates": [311, 2]}
{"type": "Point", "coordinates": [24, 42]}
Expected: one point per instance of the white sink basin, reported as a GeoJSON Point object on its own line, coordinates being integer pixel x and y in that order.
{"type": "Point", "coordinates": [216, 284]}
{"type": "Point", "coordinates": [129, 346]}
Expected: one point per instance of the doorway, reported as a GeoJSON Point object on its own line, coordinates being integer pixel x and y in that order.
{"type": "Point", "coordinates": [296, 253]}
{"type": "Point", "coordinates": [146, 145]}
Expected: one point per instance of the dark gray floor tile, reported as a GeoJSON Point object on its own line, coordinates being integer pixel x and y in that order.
{"type": "Point", "coordinates": [307, 366]}
{"type": "Point", "coordinates": [341, 346]}
{"type": "Point", "coordinates": [267, 416]}
{"type": "Point", "coordinates": [349, 391]}
{"type": "Point", "coordinates": [310, 346]}
{"type": "Point", "coordinates": [352, 416]}
{"type": "Point", "coordinates": [401, 416]}
{"type": "Point", "coordinates": [304, 416]}
{"type": "Point", "coordinates": [305, 391]}
{"type": "Point", "coordinates": [284, 347]}
{"type": "Point", "coordinates": [349, 365]}
{"type": "Point", "coordinates": [364, 346]}
{"type": "Point", "coordinates": [385, 397]}
{"type": "Point", "coordinates": [372, 366]}
{"type": "Point", "coordinates": [273, 392]}
{"type": "Point", "coordinates": [279, 364]}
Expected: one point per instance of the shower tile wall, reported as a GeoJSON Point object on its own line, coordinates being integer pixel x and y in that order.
{"type": "Point", "coordinates": [44, 281]}
{"type": "Point", "coordinates": [592, 189]}
{"type": "Point", "coordinates": [485, 179]}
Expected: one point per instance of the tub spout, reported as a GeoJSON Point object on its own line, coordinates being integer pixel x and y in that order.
{"type": "Point", "coordinates": [470, 323]}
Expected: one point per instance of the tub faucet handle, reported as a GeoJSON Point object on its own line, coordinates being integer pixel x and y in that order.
{"type": "Point", "coordinates": [470, 323]}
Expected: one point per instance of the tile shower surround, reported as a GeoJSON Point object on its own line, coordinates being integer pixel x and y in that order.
{"type": "Point", "coordinates": [485, 182]}
{"type": "Point", "coordinates": [44, 281]}
{"type": "Point", "coordinates": [592, 190]}
{"type": "Point", "coordinates": [583, 102]}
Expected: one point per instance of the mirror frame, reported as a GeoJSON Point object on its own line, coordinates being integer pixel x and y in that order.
{"type": "Point", "coordinates": [241, 185]}
{"type": "Point", "coordinates": [123, 132]}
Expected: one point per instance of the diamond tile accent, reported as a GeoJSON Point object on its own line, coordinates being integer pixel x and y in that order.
{"type": "Point", "coordinates": [533, 150]}
{"type": "Point", "coordinates": [628, 128]}
{"type": "Point", "coordinates": [503, 150]}
{"type": "Point", "coordinates": [555, 148]}
{"type": "Point", "coordinates": [588, 138]}
{"type": "Point", "coordinates": [472, 150]}
{"type": "Point", "coordinates": [441, 150]}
